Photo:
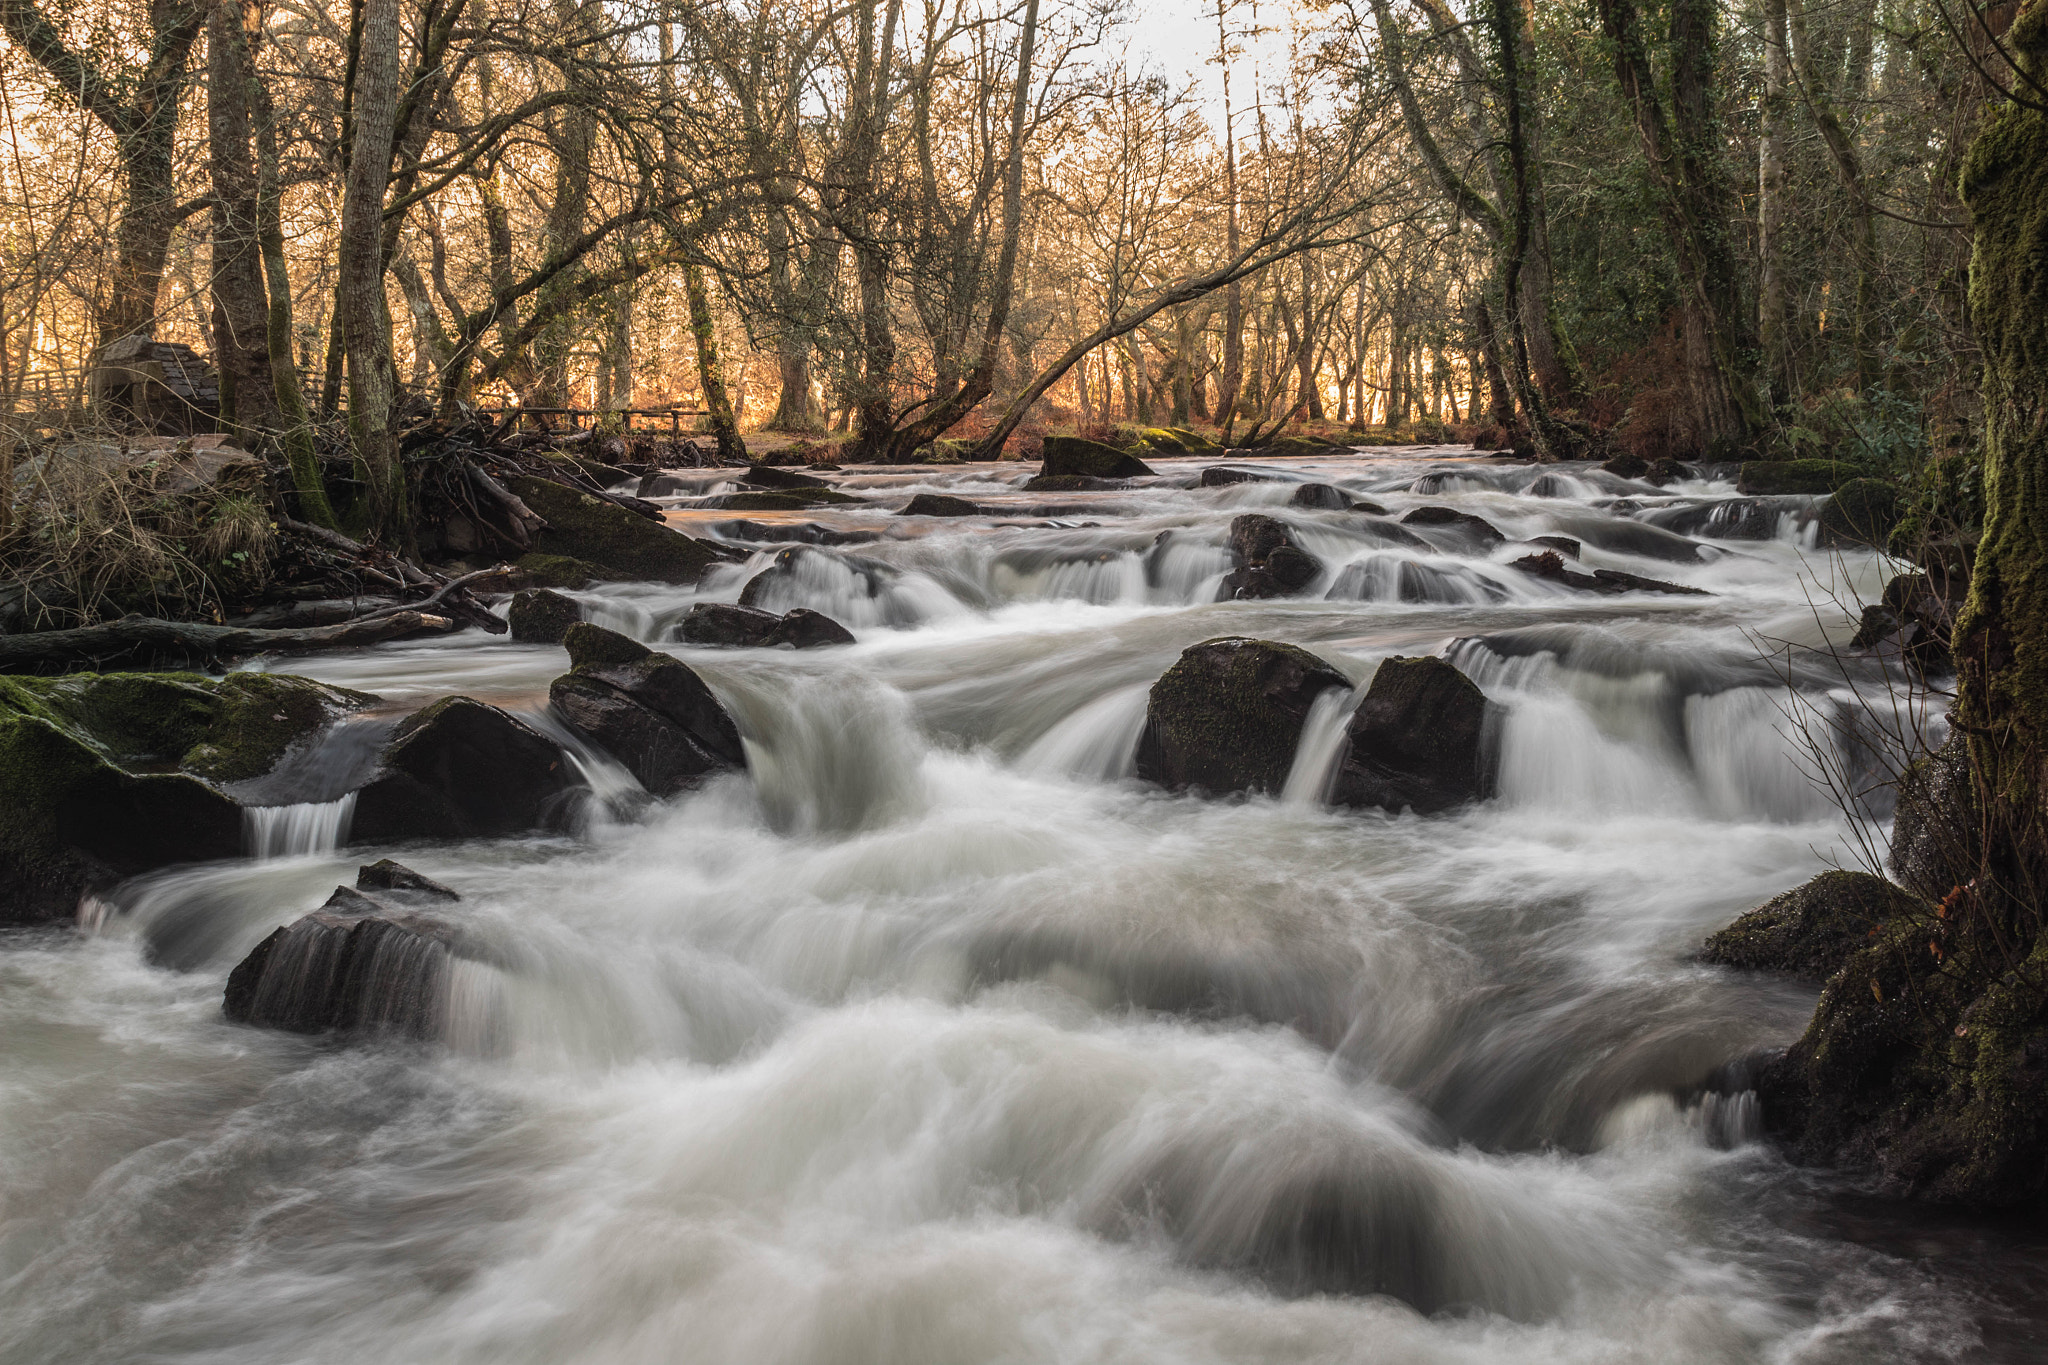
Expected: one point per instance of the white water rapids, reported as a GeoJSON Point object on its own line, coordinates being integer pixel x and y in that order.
{"type": "Point", "coordinates": [938, 1039]}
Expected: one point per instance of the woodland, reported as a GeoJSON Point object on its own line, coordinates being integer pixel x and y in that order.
{"type": "Point", "coordinates": [471, 277]}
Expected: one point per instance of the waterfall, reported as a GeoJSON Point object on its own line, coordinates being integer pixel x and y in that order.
{"type": "Point", "coordinates": [301, 828]}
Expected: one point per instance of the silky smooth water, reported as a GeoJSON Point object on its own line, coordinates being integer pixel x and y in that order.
{"type": "Point", "coordinates": [936, 1037]}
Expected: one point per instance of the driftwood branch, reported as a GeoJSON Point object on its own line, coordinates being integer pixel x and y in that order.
{"type": "Point", "coordinates": [144, 633]}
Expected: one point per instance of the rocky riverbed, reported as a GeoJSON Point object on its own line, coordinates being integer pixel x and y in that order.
{"type": "Point", "coordinates": [1248, 911]}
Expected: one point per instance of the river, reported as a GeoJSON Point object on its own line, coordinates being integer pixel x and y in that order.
{"type": "Point", "coordinates": [937, 1038]}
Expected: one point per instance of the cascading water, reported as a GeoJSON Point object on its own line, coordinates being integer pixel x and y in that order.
{"type": "Point", "coordinates": [937, 1037]}
{"type": "Point", "coordinates": [303, 827]}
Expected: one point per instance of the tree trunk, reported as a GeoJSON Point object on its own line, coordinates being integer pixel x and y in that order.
{"type": "Point", "coordinates": [364, 316]}
{"type": "Point", "coordinates": [295, 422]}
{"type": "Point", "coordinates": [1232, 379]}
{"type": "Point", "coordinates": [241, 356]}
{"type": "Point", "coordinates": [1770, 244]}
{"type": "Point", "coordinates": [1682, 150]}
{"type": "Point", "coordinates": [711, 368]}
{"type": "Point", "coordinates": [1848, 168]}
{"type": "Point", "coordinates": [2002, 635]}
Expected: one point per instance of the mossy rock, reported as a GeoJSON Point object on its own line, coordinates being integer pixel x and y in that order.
{"type": "Point", "coordinates": [1764, 477]}
{"type": "Point", "coordinates": [106, 775]}
{"type": "Point", "coordinates": [1926, 1062]}
{"type": "Point", "coordinates": [1078, 456]}
{"type": "Point", "coordinates": [1861, 512]}
{"type": "Point", "coordinates": [1227, 716]}
{"type": "Point", "coordinates": [540, 617]}
{"type": "Point", "coordinates": [619, 544]}
{"type": "Point", "coordinates": [945, 450]}
{"type": "Point", "coordinates": [557, 571]}
{"type": "Point", "coordinates": [1811, 930]}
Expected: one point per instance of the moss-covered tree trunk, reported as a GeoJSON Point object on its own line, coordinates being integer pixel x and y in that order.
{"type": "Point", "coordinates": [732, 449]}
{"type": "Point", "coordinates": [2002, 637]}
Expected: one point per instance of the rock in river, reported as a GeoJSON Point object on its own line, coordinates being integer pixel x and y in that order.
{"type": "Point", "coordinates": [1811, 930]}
{"type": "Point", "coordinates": [1075, 456]}
{"type": "Point", "coordinates": [1268, 561]}
{"type": "Point", "coordinates": [650, 711]}
{"type": "Point", "coordinates": [1418, 740]}
{"type": "Point", "coordinates": [1228, 715]}
{"type": "Point", "coordinates": [360, 963]}
{"type": "Point", "coordinates": [616, 543]}
{"type": "Point", "coordinates": [541, 617]}
{"type": "Point", "coordinates": [722, 623]}
{"type": "Point", "coordinates": [461, 770]}
{"type": "Point", "coordinates": [103, 776]}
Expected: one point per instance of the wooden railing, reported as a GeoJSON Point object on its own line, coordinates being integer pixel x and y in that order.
{"type": "Point", "coordinates": [575, 418]}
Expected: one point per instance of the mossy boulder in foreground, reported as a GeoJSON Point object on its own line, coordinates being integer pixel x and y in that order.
{"type": "Point", "coordinates": [1227, 716]}
{"type": "Point", "coordinates": [1810, 931]}
{"type": "Point", "coordinates": [106, 775]}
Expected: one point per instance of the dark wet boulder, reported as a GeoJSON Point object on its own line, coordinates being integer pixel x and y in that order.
{"type": "Point", "coordinates": [1418, 741]}
{"type": "Point", "coordinates": [356, 965]}
{"type": "Point", "coordinates": [802, 628]}
{"type": "Point", "coordinates": [1862, 512]}
{"type": "Point", "coordinates": [103, 776]}
{"type": "Point", "coordinates": [1793, 476]}
{"type": "Point", "coordinates": [1069, 483]}
{"type": "Point", "coordinates": [1227, 716]}
{"type": "Point", "coordinates": [939, 505]}
{"type": "Point", "coordinates": [1627, 467]}
{"type": "Point", "coordinates": [1223, 476]}
{"type": "Point", "coordinates": [1810, 931]}
{"type": "Point", "coordinates": [648, 710]}
{"type": "Point", "coordinates": [720, 623]}
{"type": "Point", "coordinates": [1077, 456]}
{"type": "Point", "coordinates": [1551, 567]}
{"type": "Point", "coordinates": [541, 617]}
{"type": "Point", "coordinates": [460, 769]}
{"type": "Point", "coordinates": [770, 476]}
{"type": "Point", "coordinates": [1478, 528]}
{"type": "Point", "coordinates": [1667, 471]}
{"type": "Point", "coordinates": [1564, 545]}
{"type": "Point", "coordinates": [1937, 843]}
{"type": "Point", "coordinates": [805, 533]}
{"type": "Point", "coordinates": [1720, 519]}
{"type": "Point", "coordinates": [1268, 561]}
{"type": "Point", "coordinates": [618, 544]}
{"type": "Point", "coordinates": [396, 877]}
{"type": "Point", "coordinates": [1322, 496]}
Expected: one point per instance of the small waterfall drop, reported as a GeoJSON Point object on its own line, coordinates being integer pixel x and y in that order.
{"type": "Point", "coordinates": [302, 828]}
{"type": "Point", "coordinates": [1321, 746]}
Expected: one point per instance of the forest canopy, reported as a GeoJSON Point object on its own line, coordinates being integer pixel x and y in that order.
{"type": "Point", "coordinates": [1683, 229]}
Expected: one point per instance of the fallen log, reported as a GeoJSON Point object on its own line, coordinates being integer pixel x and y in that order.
{"type": "Point", "coordinates": [132, 634]}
